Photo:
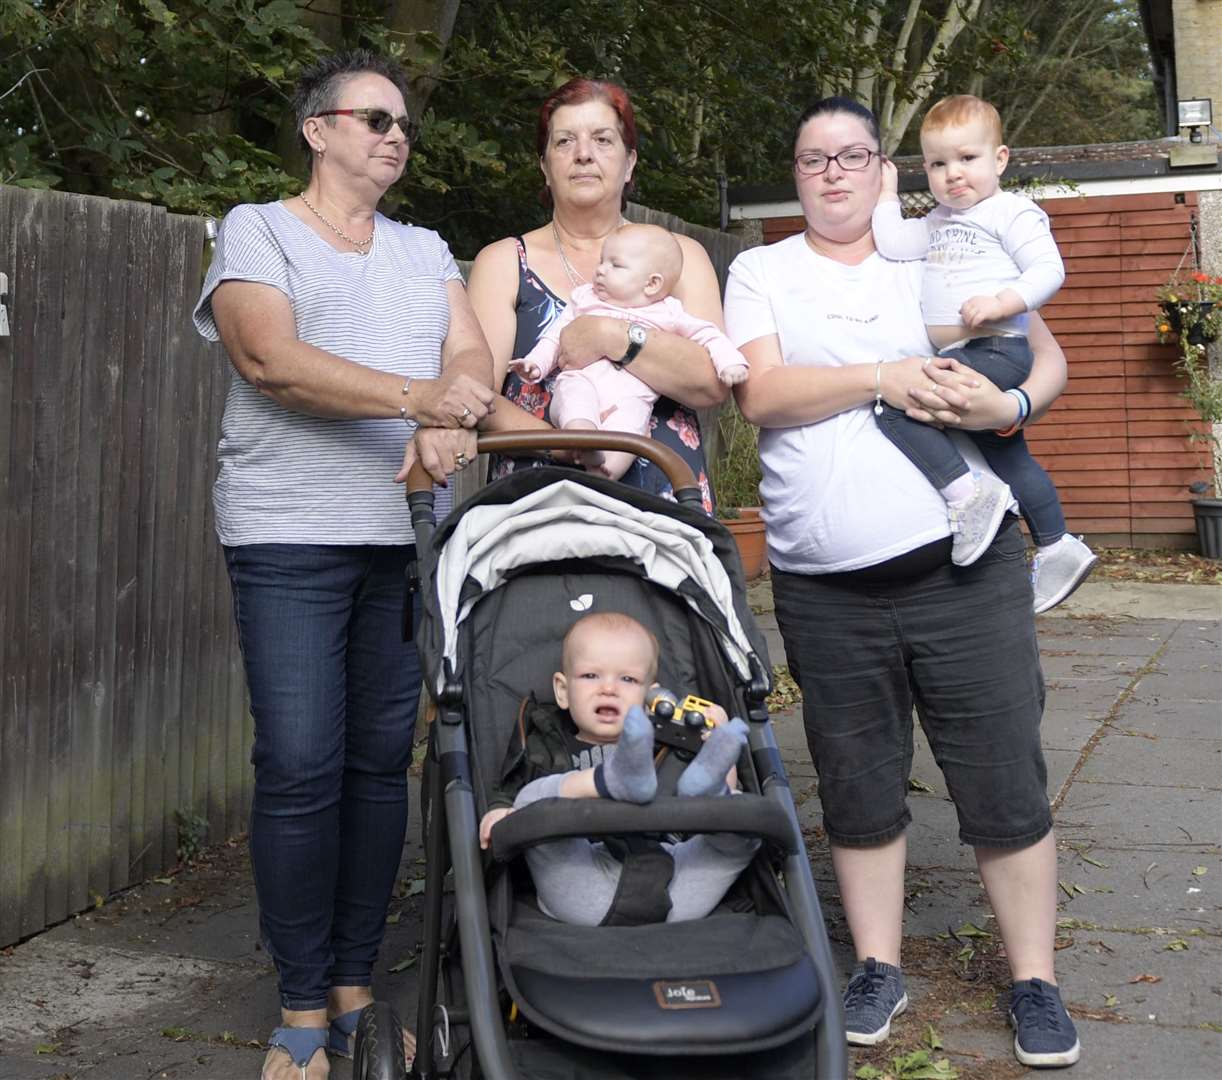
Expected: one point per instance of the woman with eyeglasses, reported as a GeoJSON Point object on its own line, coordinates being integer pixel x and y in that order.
{"type": "Point", "coordinates": [874, 616]}
{"type": "Point", "coordinates": [587, 145]}
{"type": "Point", "coordinates": [348, 333]}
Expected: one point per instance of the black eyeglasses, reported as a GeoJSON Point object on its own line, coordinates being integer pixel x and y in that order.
{"type": "Point", "coordinates": [379, 120]}
{"type": "Point", "coordinates": [854, 159]}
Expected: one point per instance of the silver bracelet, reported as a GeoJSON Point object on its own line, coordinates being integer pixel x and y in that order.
{"type": "Point", "coordinates": [878, 389]}
{"type": "Point", "coordinates": [407, 385]}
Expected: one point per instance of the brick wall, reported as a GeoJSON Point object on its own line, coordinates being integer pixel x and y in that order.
{"type": "Point", "coordinates": [1198, 51]}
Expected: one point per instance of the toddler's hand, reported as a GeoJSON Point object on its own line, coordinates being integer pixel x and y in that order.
{"type": "Point", "coordinates": [891, 180]}
{"type": "Point", "coordinates": [717, 715]}
{"type": "Point", "coordinates": [488, 820]}
{"type": "Point", "coordinates": [733, 375]}
{"type": "Point", "coordinates": [981, 309]}
{"type": "Point", "coordinates": [527, 372]}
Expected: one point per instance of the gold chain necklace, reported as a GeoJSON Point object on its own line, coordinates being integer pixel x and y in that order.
{"type": "Point", "coordinates": [575, 278]}
{"type": "Point", "coordinates": [360, 245]}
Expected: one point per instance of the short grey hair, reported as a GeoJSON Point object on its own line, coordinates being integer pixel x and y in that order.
{"type": "Point", "coordinates": [320, 85]}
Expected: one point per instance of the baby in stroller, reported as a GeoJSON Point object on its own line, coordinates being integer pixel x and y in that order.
{"type": "Point", "coordinates": [597, 742]}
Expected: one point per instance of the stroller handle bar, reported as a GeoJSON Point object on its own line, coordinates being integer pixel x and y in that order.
{"type": "Point", "coordinates": [676, 469]}
{"type": "Point", "coordinates": [552, 819]}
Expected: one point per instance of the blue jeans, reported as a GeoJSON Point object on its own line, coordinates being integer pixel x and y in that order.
{"type": "Point", "coordinates": [958, 643]}
{"type": "Point", "coordinates": [1006, 361]}
{"type": "Point", "coordinates": [333, 691]}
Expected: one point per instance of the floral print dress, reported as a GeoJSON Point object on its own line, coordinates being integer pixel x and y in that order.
{"type": "Point", "coordinates": [672, 424]}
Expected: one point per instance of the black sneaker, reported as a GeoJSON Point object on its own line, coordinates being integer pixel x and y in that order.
{"type": "Point", "coordinates": [874, 997]}
{"type": "Point", "coordinates": [1044, 1035]}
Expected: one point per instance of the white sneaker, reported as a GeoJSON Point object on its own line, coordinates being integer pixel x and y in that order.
{"type": "Point", "coordinates": [974, 523]}
{"type": "Point", "coordinates": [1057, 572]}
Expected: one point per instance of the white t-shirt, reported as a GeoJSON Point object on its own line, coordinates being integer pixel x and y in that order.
{"type": "Point", "coordinates": [285, 477]}
{"type": "Point", "coordinates": [1003, 242]}
{"type": "Point", "coordinates": [837, 494]}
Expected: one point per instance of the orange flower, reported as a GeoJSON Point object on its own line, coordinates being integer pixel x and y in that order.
{"type": "Point", "coordinates": [1200, 278]}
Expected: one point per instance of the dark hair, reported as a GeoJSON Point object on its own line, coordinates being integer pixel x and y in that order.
{"type": "Point", "coordinates": [319, 86]}
{"type": "Point", "coordinates": [578, 92]}
{"type": "Point", "coordinates": [829, 105]}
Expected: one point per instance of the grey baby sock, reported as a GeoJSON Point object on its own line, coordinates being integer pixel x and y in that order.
{"type": "Point", "coordinates": [707, 774]}
{"type": "Point", "coordinates": [627, 774]}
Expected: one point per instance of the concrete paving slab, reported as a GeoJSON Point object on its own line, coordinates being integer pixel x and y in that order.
{"type": "Point", "coordinates": [1067, 729]}
{"type": "Point", "coordinates": [1091, 975]}
{"type": "Point", "coordinates": [1122, 815]}
{"type": "Point", "coordinates": [1163, 762]}
{"type": "Point", "coordinates": [1148, 712]}
{"type": "Point", "coordinates": [1141, 599]}
{"type": "Point", "coordinates": [1192, 684]}
{"type": "Point", "coordinates": [1139, 888]}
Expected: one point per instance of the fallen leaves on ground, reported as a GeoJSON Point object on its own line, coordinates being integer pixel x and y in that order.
{"type": "Point", "coordinates": [1157, 565]}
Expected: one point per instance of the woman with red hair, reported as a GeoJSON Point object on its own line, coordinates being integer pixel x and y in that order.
{"type": "Point", "coordinates": [587, 143]}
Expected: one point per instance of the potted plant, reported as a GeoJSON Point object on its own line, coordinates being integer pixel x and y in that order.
{"type": "Point", "coordinates": [736, 480]}
{"type": "Point", "coordinates": [1191, 315]}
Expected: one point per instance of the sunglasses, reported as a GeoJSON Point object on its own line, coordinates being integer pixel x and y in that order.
{"type": "Point", "coordinates": [379, 120]}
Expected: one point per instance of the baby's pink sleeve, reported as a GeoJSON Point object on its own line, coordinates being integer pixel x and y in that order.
{"type": "Point", "coordinates": [702, 332]}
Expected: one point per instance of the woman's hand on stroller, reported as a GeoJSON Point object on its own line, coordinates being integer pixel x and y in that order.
{"type": "Point", "coordinates": [488, 820]}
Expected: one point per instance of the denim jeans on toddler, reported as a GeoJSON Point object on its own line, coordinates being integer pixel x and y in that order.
{"type": "Point", "coordinates": [1006, 361]}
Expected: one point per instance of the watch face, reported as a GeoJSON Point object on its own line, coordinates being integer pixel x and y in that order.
{"type": "Point", "coordinates": [636, 333]}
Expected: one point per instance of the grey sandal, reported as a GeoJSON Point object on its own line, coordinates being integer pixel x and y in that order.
{"type": "Point", "coordinates": [301, 1044]}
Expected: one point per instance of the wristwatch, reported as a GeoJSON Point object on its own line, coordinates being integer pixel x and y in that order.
{"type": "Point", "coordinates": [636, 339]}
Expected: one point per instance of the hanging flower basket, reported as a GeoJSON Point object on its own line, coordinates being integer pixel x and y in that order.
{"type": "Point", "coordinates": [1193, 318]}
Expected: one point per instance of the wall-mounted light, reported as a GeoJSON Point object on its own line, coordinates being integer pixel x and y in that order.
{"type": "Point", "coordinates": [1195, 114]}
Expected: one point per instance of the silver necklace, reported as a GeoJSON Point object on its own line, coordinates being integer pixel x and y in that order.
{"type": "Point", "coordinates": [575, 278]}
{"type": "Point", "coordinates": [360, 245]}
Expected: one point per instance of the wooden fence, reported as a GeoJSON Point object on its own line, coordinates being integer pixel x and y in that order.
{"type": "Point", "coordinates": [121, 690]}
{"type": "Point", "coordinates": [122, 697]}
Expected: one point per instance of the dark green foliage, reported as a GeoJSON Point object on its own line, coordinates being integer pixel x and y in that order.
{"type": "Point", "coordinates": [186, 103]}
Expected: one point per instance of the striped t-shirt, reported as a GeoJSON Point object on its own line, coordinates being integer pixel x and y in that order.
{"type": "Point", "coordinates": [283, 476]}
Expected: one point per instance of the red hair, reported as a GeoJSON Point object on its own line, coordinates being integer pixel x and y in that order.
{"type": "Point", "coordinates": [962, 109]}
{"type": "Point", "coordinates": [578, 92]}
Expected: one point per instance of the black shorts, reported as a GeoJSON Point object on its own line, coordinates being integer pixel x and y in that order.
{"type": "Point", "coordinates": [956, 643]}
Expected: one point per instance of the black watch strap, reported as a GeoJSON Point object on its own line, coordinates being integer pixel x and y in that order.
{"type": "Point", "coordinates": [636, 342]}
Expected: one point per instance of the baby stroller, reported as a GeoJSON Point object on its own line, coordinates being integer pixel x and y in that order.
{"type": "Point", "coordinates": [505, 991]}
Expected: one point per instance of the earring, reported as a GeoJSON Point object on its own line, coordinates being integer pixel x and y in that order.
{"type": "Point", "coordinates": [321, 150]}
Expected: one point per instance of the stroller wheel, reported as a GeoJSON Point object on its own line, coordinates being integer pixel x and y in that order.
{"type": "Point", "coordinates": [378, 1053]}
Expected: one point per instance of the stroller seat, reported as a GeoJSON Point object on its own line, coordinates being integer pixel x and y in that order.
{"type": "Point", "coordinates": [723, 983]}
{"type": "Point", "coordinates": [746, 991]}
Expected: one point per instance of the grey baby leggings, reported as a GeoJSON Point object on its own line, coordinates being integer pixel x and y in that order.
{"type": "Point", "coordinates": [575, 879]}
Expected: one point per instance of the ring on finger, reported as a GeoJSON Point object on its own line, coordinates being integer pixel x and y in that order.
{"type": "Point", "coordinates": [460, 459]}
{"type": "Point", "coordinates": [466, 411]}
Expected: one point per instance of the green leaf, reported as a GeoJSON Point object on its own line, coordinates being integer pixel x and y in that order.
{"type": "Point", "coordinates": [1178, 945]}
{"type": "Point", "coordinates": [1111, 1001]}
{"type": "Point", "coordinates": [403, 964]}
{"type": "Point", "coordinates": [1199, 871]}
{"type": "Point", "coordinates": [869, 1072]}
{"type": "Point", "coordinates": [919, 785]}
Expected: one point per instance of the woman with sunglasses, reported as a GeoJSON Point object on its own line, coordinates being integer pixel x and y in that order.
{"type": "Point", "coordinates": [874, 616]}
{"type": "Point", "coordinates": [347, 332]}
{"type": "Point", "coordinates": [587, 144]}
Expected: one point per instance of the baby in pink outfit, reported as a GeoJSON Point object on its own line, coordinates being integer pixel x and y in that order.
{"type": "Point", "coordinates": [639, 266]}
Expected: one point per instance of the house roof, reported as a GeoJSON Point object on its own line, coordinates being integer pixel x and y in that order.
{"type": "Point", "coordinates": [1099, 161]}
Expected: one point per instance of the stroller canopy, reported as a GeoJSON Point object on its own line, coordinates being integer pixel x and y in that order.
{"type": "Point", "coordinates": [547, 515]}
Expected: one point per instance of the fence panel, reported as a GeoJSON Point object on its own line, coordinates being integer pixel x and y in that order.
{"type": "Point", "coordinates": [121, 693]}
{"type": "Point", "coordinates": [122, 699]}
